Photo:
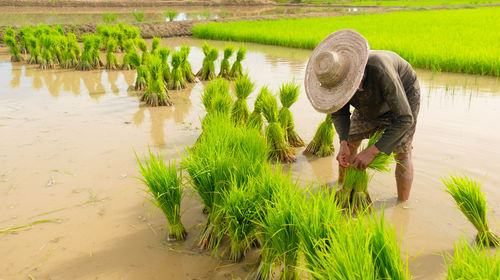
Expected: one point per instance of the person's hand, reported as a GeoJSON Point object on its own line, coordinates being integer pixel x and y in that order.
{"type": "Point", "coordinates": [344, 155]}
{"type": "Point", "coordinates": [363, 159]}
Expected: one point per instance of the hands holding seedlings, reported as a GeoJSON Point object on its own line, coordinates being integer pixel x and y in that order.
{"type": "Point", "coordinates": [361, 161]}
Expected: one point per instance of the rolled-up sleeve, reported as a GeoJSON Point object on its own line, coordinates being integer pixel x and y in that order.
{"type": "Point", "coordinates": [402, 118]}
{"type": "Point", "coordinates": [342, 121]}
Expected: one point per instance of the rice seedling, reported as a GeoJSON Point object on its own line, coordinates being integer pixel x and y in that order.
{"type": "Point", "coordinates": [24, 33]}
{"type": "Point", "coordinates": [237, 69]}
{"type": "Point", "coordinates": [322, 143]}
{"type": "Point", "coordinates": [138, 15]}
{"type": "Point", "coordinates": [111, 61]}
{"type": "Point", "coordinates": [437, 40]}
{"type": "Point", "coordinates": [472, 202]}
{"type": "Point", "coordinates": [47, 44]}
{"type": "Point", "coordinates": [225, 66]}
{"type": "Point", "coordinates": [141, 81]}
{"type": "Point", "coordinates": [277, 146]}
{"type": "Point", "coordinates": [108, 18]}
{"type": "Point", "coordinates": [177, 75]}
{"type": "Point", "coordinates": [155, 45]}
{"type": "Point", "coordinates": [156, 93]}
{"type": "Point", "coordinates": [71, 51]}
{"type": "Point", "coordinates": [141, 44]}
{"type": "Point", "coordinates": [165, 187]}
{"type": "Point", "coordinates": [243, 86]}
{"type": "Point", "coordinates": [131, 59]}
{"type": "Point", "coordinates": [472, 262]}
{"type": "Point", "coordinates": [185, 65]}
{"type": "Point", "coordinates": [34, 57]}
{"type": "Point", "coordinates": [255, 120]}
{"type": "Point", "coordinates": [15, 54]}
{"type": "Point", "coordinates": [207, 72]}
{"type": "Point", "coordinates": [171, 14]}
{"type": "Point", "coordinates": [86, 61]}
{"type": "Point", "coordinates": [96, 51]}
{"type": "Point", "coordinates": [289, 93]}
{"type": "Point", "coordinates": [163, 54]}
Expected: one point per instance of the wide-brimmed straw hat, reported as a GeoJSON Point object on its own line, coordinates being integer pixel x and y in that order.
{"type": "Point", "coordinates": [335, 69]}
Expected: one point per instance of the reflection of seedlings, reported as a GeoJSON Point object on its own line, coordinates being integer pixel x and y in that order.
{"type": "Point", "coordinates": [472, 202]}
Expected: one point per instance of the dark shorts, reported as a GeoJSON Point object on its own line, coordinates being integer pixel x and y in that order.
{"type": "Point", "coordinates": [362, 128]}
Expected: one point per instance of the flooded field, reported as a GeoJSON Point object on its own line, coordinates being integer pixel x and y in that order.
{"type": "Point", "coordinates": [67, 153]}
{"type": "Point", "coordinates": [35, 15]}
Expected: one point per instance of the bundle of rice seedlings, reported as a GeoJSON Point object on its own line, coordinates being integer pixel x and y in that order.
{"type": "Point", "coordinates": [171, 14]}
{"type": "Point", "coordinates": [56, 50]}
{"type": "Point", "coordinates": [165, 187]}
{"type": "Point", "coordinates": [47, 44]}
{"type": "Point", "coordinates": [316, 216]}
{"type": "Point", "coordinates": [141, 81]}
{"type": "Point", "coordinates": [131, 59]}
{"type": "Point", "coordinates": [472, 262]}
{"type": "Point", "coordinates": [156, 93]}
{"type": "Point", "coordinates": [243, 86]}
{"type": "Point", "coordinates": [163, 54]}
{"type": "Point", "coordinates": [15, 54]}
{"type": "Point", "coordinates": [24, 33]}
{"type": "Point", "coordinates": [322, 143]}
{"type": "Point", "coordinates": [279, 233]}
{"type": "Point", "coordinates": [472, 202]}
{"type": "Point", "coordinates": [207, 71]}
{"type": "Point", "coordinates": [255, 120]}
{"type": "Point", "coordinates": [237, 69]}
{"type": "Point", "coordinates": [155, 44]}
{"type": "Point", "coordinates": [240, 206]}
{"type": "Point", "coordinates": [205, 47]}
{"type": "Point", "coordinates": [177, 75]}
{"type": "Point", "coordinates": [185, 65]}
{"type": "Point", "coordinates": [141, 44]}
{"type": "Point", "coordinates": [289, 93]}
{"type": "Point", "coordinates": [69, 55]}
{"type": "Point", "coordinates": [96, 52]}
{"type": "Point", "coordinates": [86, 60]}
{"type": "Point", "coordinates": [277, 146]}
{"type": "Point", "coordinates": [34, 57]}
{"type": "Point", "coordinates": [224, 64]}
{"type": "Point", "coordinates": [111, 61]}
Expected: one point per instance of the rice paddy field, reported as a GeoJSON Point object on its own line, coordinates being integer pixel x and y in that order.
{"type": "Point", "coordinates": [462, 40]}
{"type": "Point", "coordinates": [408, 3]}
{"type": "Point", "coordinates": [76, 209]}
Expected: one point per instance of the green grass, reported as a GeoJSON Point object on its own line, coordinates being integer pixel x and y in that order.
{"type": "Point", "coordinates": [462, 40]}
{"type": "Point", "coordinates": [472, 262]}
{"type": "Point", "coordinates": [391, 3]}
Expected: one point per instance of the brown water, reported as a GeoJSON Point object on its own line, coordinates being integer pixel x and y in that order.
{"type": "Point", "coordinates": [67, 152]}
{"type": "Point", "coordinates": [10, 15]}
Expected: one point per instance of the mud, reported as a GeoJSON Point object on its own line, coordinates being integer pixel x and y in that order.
{"type": "Point", "coordinates": [67, 152]}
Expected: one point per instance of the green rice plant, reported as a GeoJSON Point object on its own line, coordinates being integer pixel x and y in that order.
{"type": "Point", "coordinates": [156, 93]}
{"type": "Point", "coordinates": [243, 86]}
{"type": "Point", "coordinates": [57, 48]}
{"type": "Point", "coordinates": [111, 61]}
{"type": "Point", "coordinates": [9, 32]}
{"type": "Point", "coordinates": [155, 45]}
{"type": "Point", "coordinates": [472, 202]}
{"type": "Point", "coordinates": [86, 61]}
{"type": "Point", "coordinates": [141, 44]}
{"type": "Point", "coordinates": [316, 217]}
{"type": "Point", "coordinates": [96, 51]}
{"type": "Point", "coordinates": [322, 143]}
{"type": "Point", "coordinates": [24, 33]}
{"type": "Point", "coordinates": [224, 64]}
{"type": "Point", "coordinates": [163, 54]}
{"type": "Point", "coordinates": [237, 69]}
{"type": "Point", "coordinates": [165, 187]}
{"type": "Point", "coordinates": [437, 39]}
{"type": "Point", "coordinates": [171, 14]}
{"type": "Point", "coordinates": [289, 93]}
{"type": "Point", "coordinates": [280, 234]}
{"type": "Point", "coordinates": [141, 81]}
{"type": "Point", "coordinates": [15, 54]}
{"type": "Point", "coordinates": [47, 44]}
{"type": "Point", "coordinates": [108, 18]}
{"type": "Point", "coordinates": [177, 75]}
{"type": "Point", "coordinates": [138, 15]}
{"type": "Point", "coordinates": [131, 59]}
{"type": "Point", "coordinates": [185, 65]}
{"type": "Point", "coordinates": [216, 100]}
{"type": "Point", "coordinates": [472, 262]}
{"type": "Point", "coordinates": [255, 120]}
{"type": "Point", "coordinates": [71, 52]}
{"type": "Point", "coordinates": [207, 72]}
{"type": "Point", "coordinates": [35, 55]}
{"type": "Point", "coordinates": [277, 146]}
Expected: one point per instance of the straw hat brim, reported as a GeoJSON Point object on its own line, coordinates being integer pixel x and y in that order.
{"type": "Point", "coordinates": [355, 48]}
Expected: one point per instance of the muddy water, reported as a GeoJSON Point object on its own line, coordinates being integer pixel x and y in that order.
{"type": "Point", "coordinates": [67, 153]}
{"type": "Point", "coordinates": [34, 15]}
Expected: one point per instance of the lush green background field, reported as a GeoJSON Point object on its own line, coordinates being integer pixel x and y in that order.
{"type": "Point", "coordinates": [465, 40]}
{"type": "Point", "coordinates": [408, 3]}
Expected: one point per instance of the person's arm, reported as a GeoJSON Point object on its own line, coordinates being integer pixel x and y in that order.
{"type": "Point", "coordinates": [402, 118]}
{"type": "Point", "coordinates": [342, 121]}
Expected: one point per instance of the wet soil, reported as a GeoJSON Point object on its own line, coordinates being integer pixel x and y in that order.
{"type": "Point", "coordinates": [67, 152]}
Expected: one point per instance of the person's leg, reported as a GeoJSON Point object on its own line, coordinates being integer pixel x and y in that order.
{"type": "Point", "coordinates": [404, 175]}
{"type": "Point", "coordinates": [353, 149]}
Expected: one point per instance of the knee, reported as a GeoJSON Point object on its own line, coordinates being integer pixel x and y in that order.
{"type": "Point", "coordinates": [403, 159]}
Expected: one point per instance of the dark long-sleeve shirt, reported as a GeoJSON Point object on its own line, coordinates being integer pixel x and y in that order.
{"type": "Point", "coordinates": [383, 91]}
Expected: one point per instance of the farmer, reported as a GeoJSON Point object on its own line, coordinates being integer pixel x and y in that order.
{"type": "Point", "coordinates": [384, 91]}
